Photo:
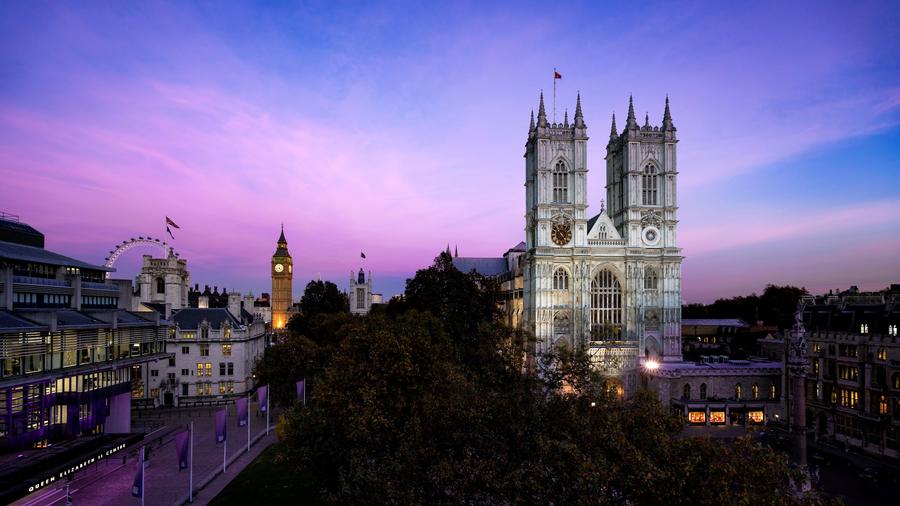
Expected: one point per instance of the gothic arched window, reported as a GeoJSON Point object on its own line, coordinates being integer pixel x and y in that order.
{"type": "Point", "coordinates": [687, 391]}
{"type": "Point", "coordinates": [737, 391]}
{"type": "Point", "coordinates": [603, 233]}
{"type": "Point", "coordinates": [160, 285]}
{"type": "Point", "coordinates": [649, 188]}
{"type": "Point", "coordinates": [651, 280]}
{"type": "Point", "coordinates": [606, 305]}
{"type": "Point", "coordinates": [560, 182]}
{"type": "Point", "coordinates": [702, 391]}
{"type": "Point", "coordinates": [754, 391]}
{"type": "Point", "coordinates": [772, 391]}
{"type": "Point", "coordinates": [560, 279]}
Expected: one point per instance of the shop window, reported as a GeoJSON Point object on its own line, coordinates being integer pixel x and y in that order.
{"type": "Point", "coordinates": [717, 417]}
{"type": "Point", "coordinates": [697, 417]}
{"type": "Point", "coordinates": [756, 416]}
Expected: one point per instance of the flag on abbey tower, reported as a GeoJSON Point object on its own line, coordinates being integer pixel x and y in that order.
{"type": "Point", "coordinates": [170, 222]}
{"type": "Point", "coordinates": [557, 75]}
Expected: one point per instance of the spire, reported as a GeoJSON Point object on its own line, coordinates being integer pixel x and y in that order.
{"type": "Point", "coordinates": [613, 132]}
{"type": "Point", "coordinates": [566, 118]}
{"type": "Point", "coordinates": [542, 114]}
{"type": "Point", "coordinates": [531, 127]}
{"type": "Point", "coordinates": [631, 123]}
{"type": "Point", "coordinates": [448, 249]}
{"type": "Point", "coordinates": [579, 118]}
{"type": "Point", "coordinates": [647, 120]}
{"type": "Point", "coordinates": [455, 251]}
{"type": "Point", "coordinates": [667, 118]}
{"type": "Point", "coordinates": [282, 239]}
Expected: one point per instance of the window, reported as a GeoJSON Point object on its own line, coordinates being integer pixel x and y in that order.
{"type": "Point", "coordinates": [754, 391]}
{"type": "Point", "coordinates": [560, 182]}
{"type": "Point", "coordinates": [221, 368]}
{"type": "Point", "coordinates": [651, 280]}
{"type": "Point", "coordinates": [154, 373]}
{"type": "Point", "coordinates": [756, 416]}
{"type": "Point", "coordinates": [816, 348]}
{"type": "Point", "coordinates": [815, 367]}
{"type": "Point", "coordinates": [737, 391]}
{"type": "Point", "coordinates": [847, 350]}
{"type": "Point", "coordinates": [199, 369]}
{"type": "Point", "coordinates": [716, 417]}
{"type": "Point", "coordinates": [650, 186]}
{"type": "Point", "coordinates": [863, 328]}
{"type": "Point", "coordinates": [892, 329]}
{"type": "Point", "coordinates": [773, 392]}
{"type": "Point", "coordinates": [603, 233]}
{"type": "Point", "coordinates": [881, 354]}
{"type": "Point", "coordinates": [882, 405]}
{"type": "Point", "coordinates": [360, 298]}
{"type": "Point", "coordinates": [172, 362]}
{"type": "Point", "coordinates": [895, 379]}
{"type": "Point", "coordinates": [204, 350]}
{"type": "Point", "coordinates": [687, 391]}
{"type": "Point", "coordinates": [188, 335]}
{"type": "Point", "coordinates": [697, 417]}
{"type": "Point", "coordinates": [849, 373]}
{"type": "Point", "coordinates": [231, 368]}
{"type": "Point", "coordinates": [185, 350]}
{"type": "Point", "coordinates": [849, 398]}
{"type": "Point", "coordinates": [226, 350]}
{"type": "Point", "coordinates": [170, 375]}
{"type": "Point", "coordinates": [702, 391]}
{"type": "Point", "coordinates": [560, 279]}
{"type": "Point", "coordinates": [185, 372]}
{"type": "Point", "coordinates": [204, 332]}
{"type": "Point", "coordinates": [208, 367]}
{"type": "Point", "coordinates": [606, 306]}
{"type": "Point", "coordinates": [160, 285]}
{"type": "Point", "coordinates": [184, 389]}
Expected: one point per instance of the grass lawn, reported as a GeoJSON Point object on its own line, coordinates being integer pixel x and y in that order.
{"type": "Point", "coordinates": [265, 482]}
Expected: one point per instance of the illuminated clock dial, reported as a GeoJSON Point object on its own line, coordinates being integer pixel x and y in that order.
{"type": "Point", "coordinates": [561, 234]}
{"type": "Point", "coordinates": [279, 267]}
{"type": "Point", "coordinates": [290, 268]}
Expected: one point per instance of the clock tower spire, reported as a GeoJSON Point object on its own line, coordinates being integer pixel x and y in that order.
{"type": "Point", "coordinates": [282, 283]}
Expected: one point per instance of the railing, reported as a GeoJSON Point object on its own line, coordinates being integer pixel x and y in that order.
{"type": "Point", "coordinates": [31, 280]}
{"type": "Point", "coordinates": [606, 242]}
{"type": "Point", "coordinates": [99, 286]}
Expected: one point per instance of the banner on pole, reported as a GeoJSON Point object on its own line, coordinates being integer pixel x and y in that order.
{"type": "Point", "coordinates": [181, 448]}
{"type": "Point", "coordinates": [221, 417]}
{"type": "Point", "coordinates": [137, 488]}
{"type": "Point", "coordinates": [263, 394]}
{"type": "Point", "coordinates": [241, 405]}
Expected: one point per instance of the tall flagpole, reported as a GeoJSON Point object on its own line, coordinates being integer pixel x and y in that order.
{"type": "Point", "coordinates": [191, 469]}
{"type": "Point", "coordinates": [248, 423]}
{"type": "Point", "coordinates": [268, 393]}
{"type": "Point", "coordinates": [224, 453]}
{"type": "Point", "coordinates": [554, 94]}
{"type": "Point", "coordinates": [143, 490]}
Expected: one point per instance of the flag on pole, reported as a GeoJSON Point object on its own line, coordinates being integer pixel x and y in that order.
{"type": "Point", "coordinates": [361, 254]}
{"type": "Point", "coordinates": [181, 448]}
{"type": "Point", "coordinates": [221, 416]}
{"type": "Point", "coordinates": [241, 404]}
{"type": "Point", "coordinates": [137, 488]}
{"type": "Point", "coordinates": [263, 395]}
{"type": "Point", "coordinates": [170, 232]}
{"type": "Point", "coordinates": [301, 390]}
{"type": "Point", "coordinates": [557, 75]}
{"type": "Point", "coordinates": [170, 222]}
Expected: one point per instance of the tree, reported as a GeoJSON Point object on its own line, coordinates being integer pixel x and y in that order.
{"type": "Point", "coordinates": [323, 297]}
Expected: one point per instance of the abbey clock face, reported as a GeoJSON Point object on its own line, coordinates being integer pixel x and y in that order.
{"type": "Point", "coordinates": [651, 236]}
{"type": "Point", "coordinates": [561, 233]}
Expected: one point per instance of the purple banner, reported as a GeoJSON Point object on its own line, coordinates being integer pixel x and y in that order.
{"type": "Point", "coordinates": [137, 488]}
{"type": "Point", "coordinates": [221, 417]}
{"type": "Point", "coordinates": [301, 390]}
{"type": "Point", "coordinates": [182, 440]}
{"type": "Point", "coordinates": [263, 395]}
{"type": "Point", "coordinates": [241, 411]}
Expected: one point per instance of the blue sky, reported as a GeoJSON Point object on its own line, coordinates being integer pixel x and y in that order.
{"type": "Point", "coordinates": [398, 127]}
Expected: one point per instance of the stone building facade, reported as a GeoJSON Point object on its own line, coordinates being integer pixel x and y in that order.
{"type": "Point", "coordinates": [359, 293]}
{"type": "Point", "coordinates": [164, 281]}
{"type": "Point", "coordinates": [282, 283]}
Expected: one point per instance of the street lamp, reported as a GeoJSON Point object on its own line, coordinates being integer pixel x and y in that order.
{"type": "Point", "coordinates": [651, 365]}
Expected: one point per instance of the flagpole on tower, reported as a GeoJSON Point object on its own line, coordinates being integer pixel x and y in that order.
{"type": "Point", "coordinates": [554, 93]}
{"type": "Point", "coordinates": [191, 468]}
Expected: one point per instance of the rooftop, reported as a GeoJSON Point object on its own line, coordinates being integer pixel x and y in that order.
{"type": "Point", "coordinates": [715, 322]}
{"type": "Point", "coordinates": [191, 318]}
{"type": "Point", "coordinates": [25, 253]}
{"type": "Point", "coordinates": [483, 266]}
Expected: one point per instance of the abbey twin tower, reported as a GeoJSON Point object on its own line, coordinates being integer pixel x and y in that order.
{"type": "Point", "coordinates": [609, 280]}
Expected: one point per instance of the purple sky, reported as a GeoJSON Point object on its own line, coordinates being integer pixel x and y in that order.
{"type": "Point", "coordinates": [395, 129]}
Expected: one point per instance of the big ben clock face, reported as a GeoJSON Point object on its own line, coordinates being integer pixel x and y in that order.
{"type": "Point", "coordinates": [561, 234]}
{"type": "Point", "coordinates": [279, 267]}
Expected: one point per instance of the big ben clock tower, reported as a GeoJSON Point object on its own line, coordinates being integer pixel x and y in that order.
{"type": "Point", "coordinates": [282, 280]}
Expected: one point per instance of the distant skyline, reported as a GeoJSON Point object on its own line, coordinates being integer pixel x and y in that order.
{"type": "Point", "coordinates": [398, 128]}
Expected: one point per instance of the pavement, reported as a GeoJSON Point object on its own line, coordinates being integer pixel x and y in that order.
{"type": "Point", "coordinates": [109, 482]}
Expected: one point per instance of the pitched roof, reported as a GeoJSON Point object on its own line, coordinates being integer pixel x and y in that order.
{"type": "Point", "coordinates": [12, 322]}
{"type": "Point", "coordinates": [190, 318]}
{"type": "Point", "coordinates": [23, 253]}
{"type": "Point", "coordinates": [483, 266]}
{"type": "Point", "coordinates": [518, 247]}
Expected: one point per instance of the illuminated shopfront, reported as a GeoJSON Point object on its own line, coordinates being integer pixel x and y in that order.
{"type": "Point", "coordinates": [756, 416]}
{"type": "Point", "coordinates": [717, 417]}
{"type": "Point", "coordinates": [697, 417]}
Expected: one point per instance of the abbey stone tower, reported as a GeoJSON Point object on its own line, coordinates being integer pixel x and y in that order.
{"type": "Point", "coordinates": [612, 281]}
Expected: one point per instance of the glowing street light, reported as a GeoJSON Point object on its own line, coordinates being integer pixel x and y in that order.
{"type": "Point", "coordinates": [651, 365]}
